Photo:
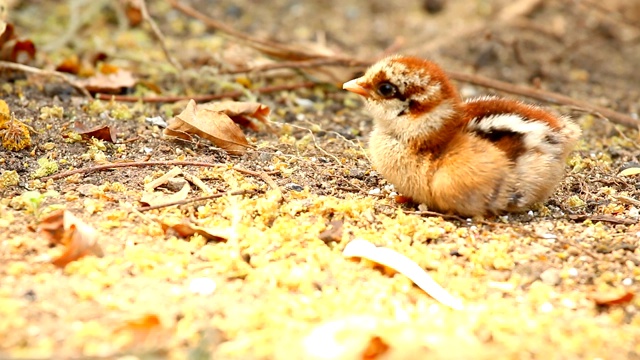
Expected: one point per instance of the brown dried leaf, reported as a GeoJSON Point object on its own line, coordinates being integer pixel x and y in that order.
{"type": "Point", "coordinates": [14, 49]}
{"type": "Point", "coordinates": [612, 298]}
{"type": "Point", "coordinates": [375, 348]}
{"type": "Point", "coordinates": [109, 83]}
{"type": "Point", "coordinates": [133, 11]}
{"type": "Point", "coordinates": [158, 198]}
{"type": "Point", "coordinates": [241, 113]}
{"type": "Point", "coordinates": [333, 232]}
{"type": "Point", "coordinates": [186, 229]}
{"type": "Point", "coordinates": [214, 126]}
{"type": "Point", "coordinates": [140, 332]}
{"type": "Point", "coordinates": [104, 132]}
{"type": "Point", "coordinates": [70, 65]}
{"type": "Point", "coordinates": [80, 239]}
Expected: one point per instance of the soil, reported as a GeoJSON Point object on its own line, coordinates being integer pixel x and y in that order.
{"type": "Point", "coordinates": [557, 282]}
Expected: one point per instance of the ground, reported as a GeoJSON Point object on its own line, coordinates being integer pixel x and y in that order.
{"type": "Point", "coordinates": [557, 282]}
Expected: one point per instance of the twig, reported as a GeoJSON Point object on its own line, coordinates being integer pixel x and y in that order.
{"type": "Point", "coordinates": [202, 98]}
{"type": "Point", "coordinates": [315, 143]}
{"type": "Point", "coordinates": [618, 17]}
{"type": "Point", "coordinates": [201, 198]}
{"type": "Point", "coordinates": [277, 49]}
{"type": "Point", "coordinates": [51, 73]}
{"type": "Point", "coordinates": [543, 95]}
{"type": "Point", "coordinates": [302, 64]}
{"type": "Point", "coordinates": [436, 214]}
{"type": "Point", "coordinates": [264, 176]}
{"type": "Point", "coordinates": [91, 169]}
{"type": "Point", "coordinates": [159, 36]}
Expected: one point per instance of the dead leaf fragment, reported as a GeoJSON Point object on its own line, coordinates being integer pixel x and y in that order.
{"type": "Point", "coordinates": [158, 198]}
{"type": "Point", "coordinates": [175, 171]}
{"type": "Point", "coordinates": [215, 126]}
{"type": "Point", "coordinates": [241, 113]}
{"type": "Point", "coordinates": [629, 171]}
{"type": "Point", "coordinates": [80, 239]}
{"type": "Point", "coordinates": [109, 83]}
{"type": "Point", "coordinates": [612, 298]}
{"type": "Point", "coordinates": [375, 348]}
{"type": "Point", "coordinates": [14, 49]}
{"type": "Point", "coordinates": [186, 229]}
{"type": "Point", "coordinates": [333, 232]}
{"type": "Point", "coordinates": [145, 331]}
{"type": "Point", "coordinates": [103, 132]}
{"type": "Point", "coordinates": [404, 265]}
{"type": "Point", "coordinates": [602, 217]}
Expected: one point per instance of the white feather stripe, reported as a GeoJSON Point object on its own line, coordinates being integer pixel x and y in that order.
{"type": "Point", "coordinates": [535, 132]}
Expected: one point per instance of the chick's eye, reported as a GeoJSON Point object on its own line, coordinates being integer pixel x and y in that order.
{"type": "Point", "coordinates": [387, 89]}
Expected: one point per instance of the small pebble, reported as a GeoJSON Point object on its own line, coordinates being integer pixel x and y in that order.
{"type": "Point", "coordinates": [176, 184]}
{"type": "Point", "coordinates": [546, 307]}
{"type": "Point", "coordinates": [202, 286]}
{"type": "Point", "coordinates": [306, 103]}
{"type": "Point", "coordinates": [551, 277]}
{"type": "Point", "coordinates": [293, 187]}
{"type": "Point", "coordinates": [389, 188]}
{"type": "Point", "coordinates": [627, 281]}
{"type": "Point", "coordinates": [433, 6]}
{"type": "Point", "coordinates": [569, 304]}
{"type": "Point", "coordinates": [156, 121]}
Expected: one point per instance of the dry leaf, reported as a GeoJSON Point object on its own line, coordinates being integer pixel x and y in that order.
{"type": "Point", "coordinates": [214, 126]}
{"type": "Point", "coordinates": [104, 132]}
{"type": "Point", "coordinates": [109, 83]}
{"type": "Point", "coordinates": [197, 182]}
{"type": "Point", "coordinates": [241, 112]}
{"type": "Point", "coordinates": [158, 198]}
{"type": "Point", "coordinates": [145, 331]}
{"type": "Point", "coordinates": [404, 265]}
{"type": "Point", "coordinates": [186, 229]}
{"type": "Point", "coordinates": [333, 232]}
{"type": "Point", "coordinates": [612, 298]}
{"type": "Point", "coordinates": [132, 9]}
{"type": "Point", "coordinates": [602, 217]}
{"type": "Point", "coordinates": [175, 171]}
{"type": "Point", "coordinates": [375, 348]}
{"type": "Point", "coordinates": [80, 239]}
{"type": "Point", "coordinates": [629, 171]}
{"type": "Point", "coordinates": [12, 48]}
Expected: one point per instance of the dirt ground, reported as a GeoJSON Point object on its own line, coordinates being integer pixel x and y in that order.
{"type": "Point", "coordinates": [557, 282]}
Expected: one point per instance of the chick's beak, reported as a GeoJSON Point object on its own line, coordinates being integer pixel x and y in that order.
{"type": "Point", "coordinates": [356, 88]}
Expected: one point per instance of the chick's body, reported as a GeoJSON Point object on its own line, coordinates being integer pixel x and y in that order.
{"type": "Point", "coordinates": [482, 156]}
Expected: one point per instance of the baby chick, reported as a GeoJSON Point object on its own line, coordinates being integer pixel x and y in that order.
{"type": "Point", "coordinates": [475, 157]}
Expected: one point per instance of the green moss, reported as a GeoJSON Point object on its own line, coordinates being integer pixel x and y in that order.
{"type": "Point", "coordinates": [47, 167]}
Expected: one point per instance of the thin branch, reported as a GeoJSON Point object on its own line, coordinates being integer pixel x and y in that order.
{"type": "Point", "coordinates": [546, 96]}
{"type": "Point", "coordinates": [48, 73]}
{"type": "Point", "coordinates": [205, 97]}
{"type": "Point", "coordinates": [301, 64]}
{"type": "Point", "coordinates": [158, 34]}
{"type": "Point", "coordinates": [264, 176]}
{"type": "Point", "coordinates": [91, 169]}
{"type": "Point", "coordinates": [201, 198]}
{"type": "Point", "coordinates": [273, 48]}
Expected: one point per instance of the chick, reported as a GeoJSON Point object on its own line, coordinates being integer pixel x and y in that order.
{"type": "Point", "coordinates": [475, 157]}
